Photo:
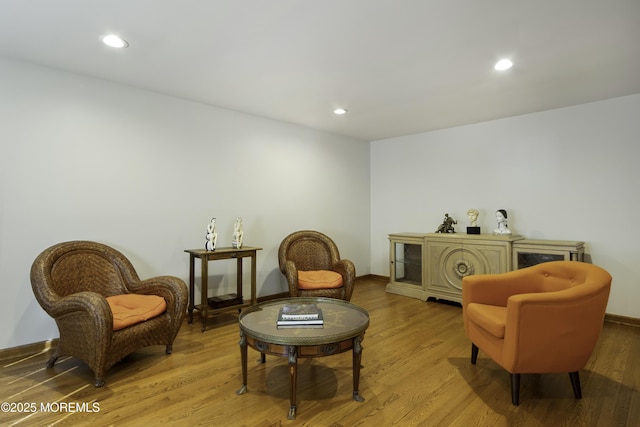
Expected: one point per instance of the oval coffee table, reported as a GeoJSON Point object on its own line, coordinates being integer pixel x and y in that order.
{"type": "Point", "coordinates": [343, 330]}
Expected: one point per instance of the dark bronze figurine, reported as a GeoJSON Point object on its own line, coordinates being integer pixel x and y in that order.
{"type": "Point", "coordinates": [447, 225]}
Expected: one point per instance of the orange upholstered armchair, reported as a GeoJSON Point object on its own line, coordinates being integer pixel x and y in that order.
{"type": "Point", "coordinates": [542, 319]}
{"type": "Point", "coordinates": [311, 263]}
{"type": "Point", "coordinates": [103, 310]}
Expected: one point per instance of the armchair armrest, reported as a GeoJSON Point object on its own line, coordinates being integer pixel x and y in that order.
{"type": "Point", "coordinates": [171, 288]}
{"type": "Point", "coordinates": [347, 270]}
{"type": "Point", "coordinates": [86, 310]}
{"type": "Point", "coordinates": [291, 272]}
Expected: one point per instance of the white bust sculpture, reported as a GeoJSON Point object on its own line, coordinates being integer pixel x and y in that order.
{"type": "Point", "coordinates": [473, 216]}
{"type": "Point", "coordinates": [501, 217]}
{"type": "Point", "coordinates": [212, 236]}
{"type": "Point", "coordinates": [238, 234]}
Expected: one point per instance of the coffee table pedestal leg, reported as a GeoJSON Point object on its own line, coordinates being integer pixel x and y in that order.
{"type": "Point", "coordinates": [293, 380]}
{"type": "Point", "coordinates": [243, 357]}
{"type": "Point", "coordinates": [357, 359]}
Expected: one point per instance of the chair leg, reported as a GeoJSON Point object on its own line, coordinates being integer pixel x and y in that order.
{"type": "Point", "coordinates": [52, 361]}
{"type": "Point", "coordinates": [99, 381]}
{"type": "Point", "coordinates": [54, 357]}
{"type": "Point", "coordinates": [575, 383]}
{"type": "Point", "coordinates": [515, 389]}
{"type": "Point", "coordinates": [474, 353]}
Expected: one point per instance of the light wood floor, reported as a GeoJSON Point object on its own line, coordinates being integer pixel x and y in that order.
{"type": "Point", "coordinates": [416, 373]}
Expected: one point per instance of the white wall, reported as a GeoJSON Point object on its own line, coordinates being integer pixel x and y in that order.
{"type": "Point", "coordinates": [87, 159]}
{"type": "Point", "coordinates": [565, 174]}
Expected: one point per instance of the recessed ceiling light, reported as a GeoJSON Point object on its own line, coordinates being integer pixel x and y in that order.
{"type": "Point", "coordinates": [114, 41]}
{"type": "Point", "coordinates": [339, 111]}
{"type": "Point", "coordinates": [503, 64]}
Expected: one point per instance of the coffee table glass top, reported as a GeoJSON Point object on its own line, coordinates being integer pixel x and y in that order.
{"type": "Point", "coordinates": [342, 320]}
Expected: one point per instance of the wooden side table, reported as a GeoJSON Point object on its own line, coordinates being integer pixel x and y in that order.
{"type": "Point", "coordinates": [221, 302]}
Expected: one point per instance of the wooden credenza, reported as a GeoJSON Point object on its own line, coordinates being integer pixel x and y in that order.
{"type": "Point", "coordinates": [424, 265]}
{"type": "Point", "coordinates": [450, 257]}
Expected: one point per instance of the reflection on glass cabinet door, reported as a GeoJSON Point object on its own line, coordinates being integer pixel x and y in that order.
{"type": "Point", "coordinates": [408, 263]}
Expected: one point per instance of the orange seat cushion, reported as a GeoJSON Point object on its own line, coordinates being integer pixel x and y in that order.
{"type": "Point", "coordinates": [492, 318]}
{"type": "Point", "coordinates": [129, 309]}
{"type": "Point", "coordinates": [319, 279]}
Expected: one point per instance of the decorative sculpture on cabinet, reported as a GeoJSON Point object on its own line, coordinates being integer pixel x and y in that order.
{"type": "Point", "coordinates": [447, 225]}
{"type": "Point", "coordinates": [473, 220]}
{"type": "Point", "coordinates": [473, 217]}
{"type": "Point", "coordinates": [501, 217]}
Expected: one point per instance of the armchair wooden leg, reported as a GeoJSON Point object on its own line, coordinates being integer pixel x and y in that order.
{"type": "Point", "coordinates": [575, 383]}
{"type": "Point", "coordinates": [515, 389]}
{"type": "Point", "coordinates": [474, 353]}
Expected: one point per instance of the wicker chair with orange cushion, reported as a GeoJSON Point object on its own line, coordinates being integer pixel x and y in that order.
{"type": "Point", "coordinates": [311, 263]}
{"type": "Point", "coordinates": [542, 319]}
{"type": "Point", "coordinates": [103, 310]}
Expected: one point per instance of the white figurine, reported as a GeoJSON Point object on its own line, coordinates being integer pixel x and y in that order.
{"type": "Point", "coordinates": [501, 217]}
{"type": "Point", "coordinates": [212, 236]}
{"type": "Point", "coordinates": [236, 243]}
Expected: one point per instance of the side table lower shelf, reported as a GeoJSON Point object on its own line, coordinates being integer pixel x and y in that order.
{"type": "Point", "coordinates": [217, 309]}
{"type": "Point", "coordinates": [223, 301]}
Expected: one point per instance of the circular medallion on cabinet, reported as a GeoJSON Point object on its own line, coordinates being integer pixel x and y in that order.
{"type": "Point", "coordinates": [463, 268]}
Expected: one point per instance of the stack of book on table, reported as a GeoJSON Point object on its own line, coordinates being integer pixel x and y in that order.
{"type": "Point", "coordinates": [295, 315]}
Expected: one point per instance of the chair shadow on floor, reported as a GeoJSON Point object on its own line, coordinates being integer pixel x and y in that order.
{"type": "Point", "coordinates": [72, 371]}
{"type": "Point", "coordinates": [491, 383]}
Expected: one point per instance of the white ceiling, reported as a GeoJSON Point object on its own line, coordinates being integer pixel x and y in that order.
{"type": "Point", "coordinates": [399, 66]}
